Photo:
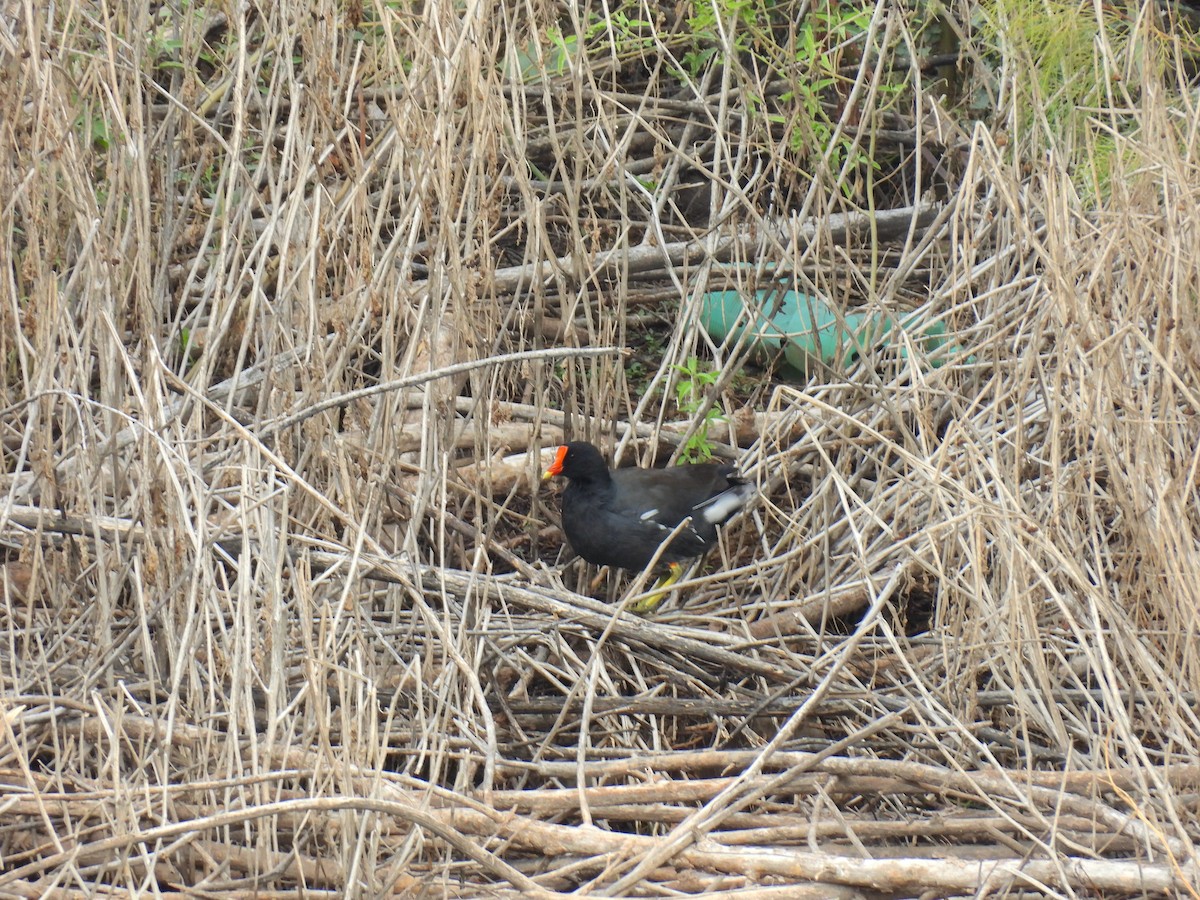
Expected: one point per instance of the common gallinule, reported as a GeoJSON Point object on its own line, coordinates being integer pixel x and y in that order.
{"type": "Point", "coordinates": [620, 517]}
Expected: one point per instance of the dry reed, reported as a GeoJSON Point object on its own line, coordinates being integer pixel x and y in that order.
{"type": "Point", "coordinates": [295, 294]}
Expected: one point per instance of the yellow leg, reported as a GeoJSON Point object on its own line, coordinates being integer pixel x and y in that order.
{"type": "Point", "coordinates": [595, 582]}
{"type": "Point", "coordinates": [651, 602]}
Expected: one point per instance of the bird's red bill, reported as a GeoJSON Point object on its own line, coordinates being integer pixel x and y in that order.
{"type": "Point", "coordinates": [556, 467]}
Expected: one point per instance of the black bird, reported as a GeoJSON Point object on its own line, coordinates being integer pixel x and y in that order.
{"type": "Point", "coordinates": [620, 517]}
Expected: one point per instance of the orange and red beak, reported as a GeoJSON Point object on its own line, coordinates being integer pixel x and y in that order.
{"type": "Point", "coordinates": [555, 467]}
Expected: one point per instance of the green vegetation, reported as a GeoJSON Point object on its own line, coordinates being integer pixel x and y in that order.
{"type": "Point", "coordinates": [690, 397]}
{"type": "Point", "coordinates": [296, 296]}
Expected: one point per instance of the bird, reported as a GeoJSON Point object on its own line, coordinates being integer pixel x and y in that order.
{"type": "Point", "coordinates": [620, 517]}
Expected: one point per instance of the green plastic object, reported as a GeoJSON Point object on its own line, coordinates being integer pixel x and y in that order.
{"type": "Point", "coordinates": [805, 329]}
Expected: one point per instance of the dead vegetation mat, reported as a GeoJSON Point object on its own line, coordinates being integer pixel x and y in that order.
{"type": "Point", "coordinates": [293, 296]}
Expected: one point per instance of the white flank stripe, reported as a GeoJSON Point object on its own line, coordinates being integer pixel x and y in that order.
{"type": "Point", "coordinates": [726, 503]}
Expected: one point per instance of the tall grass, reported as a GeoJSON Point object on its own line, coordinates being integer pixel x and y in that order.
{"type": "Point", "coordinates": [294, 295]}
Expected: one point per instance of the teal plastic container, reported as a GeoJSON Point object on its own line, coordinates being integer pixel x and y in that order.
{"type": "Point", "coordinates": [805, 329]}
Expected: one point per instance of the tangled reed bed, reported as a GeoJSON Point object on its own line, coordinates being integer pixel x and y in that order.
{"type": "Point", "coordinates": [294, 298]}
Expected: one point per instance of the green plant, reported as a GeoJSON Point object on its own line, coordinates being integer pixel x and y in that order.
{"type": "Point", "coordinates": [824, 40]}
{"type": "Point", "coordinates": [654, 343]}
{"type": "Point", "coordinates": [689, 398]}
{"type": "Point", "coordinates": [636, 375]}
{"type": "Point", "coordinates": [94, 130]}
{"type": "Point", "coordinates": [564, 46]}
{"type": "Point", "coordinates": [618, 33]}
{"type": "Point", "coordinates": [810, 57]}
{"type": "Point", "coordinates": [190, 348]}
{"type": "Point", "coordinates": [1062, 86]}
{"type": "Point", "coordinates": [165, 49]}
{"type": "Point", "coordinates": [745, 20]}
{"type": "Point", "coordinates": [628, 35]}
